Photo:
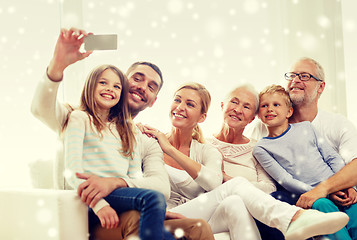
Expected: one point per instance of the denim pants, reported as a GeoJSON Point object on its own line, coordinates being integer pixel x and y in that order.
{"type": "Point", "coordinates": [151, 205]}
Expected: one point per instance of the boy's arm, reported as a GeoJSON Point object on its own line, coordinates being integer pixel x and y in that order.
{"type": "Point", "coordinates": [276, 171]}
{"type": "Point", "coordinates": [343, 179]}
{"type": "Point", "coordinates": [329, 155]}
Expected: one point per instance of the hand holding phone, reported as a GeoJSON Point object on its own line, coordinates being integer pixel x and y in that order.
{"type": "Point", "coordinates": [100, 42]}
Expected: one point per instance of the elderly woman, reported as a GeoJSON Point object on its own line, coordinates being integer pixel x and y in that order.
{"type": "Point", "coordinates": [239, 108]}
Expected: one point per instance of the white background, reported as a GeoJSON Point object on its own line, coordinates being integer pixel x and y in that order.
{"type": "Point", "coordinates": [219, 43]}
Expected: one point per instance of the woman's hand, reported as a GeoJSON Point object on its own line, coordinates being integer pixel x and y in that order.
{"type": "Point", "coordinates": [143, 128]}
{"type": "Point", "coordinates": [67, 52]}
{"type": "Point", "coordinates": [160, 137]}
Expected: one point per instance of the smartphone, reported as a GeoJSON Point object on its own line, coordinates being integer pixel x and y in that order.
{"type": "Point", "coordinates": [100, 42]}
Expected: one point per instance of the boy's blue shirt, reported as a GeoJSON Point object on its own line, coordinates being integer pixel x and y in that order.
{"type": "Point", "coordinates": [298, 159]}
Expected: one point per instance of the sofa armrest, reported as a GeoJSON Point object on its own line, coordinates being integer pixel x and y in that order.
{"type": "Point", "coordinates": [34, 214]}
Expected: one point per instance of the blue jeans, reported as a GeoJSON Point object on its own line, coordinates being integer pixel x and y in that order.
{"type": "Point", "coordinates": [151, 205]}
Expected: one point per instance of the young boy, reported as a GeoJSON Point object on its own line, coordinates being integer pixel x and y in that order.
{"type": "Point", "coordinates": [296, 157]}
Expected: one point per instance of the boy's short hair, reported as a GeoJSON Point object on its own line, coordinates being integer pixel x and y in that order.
{"type": "Point", "coordinates": [277, 89]}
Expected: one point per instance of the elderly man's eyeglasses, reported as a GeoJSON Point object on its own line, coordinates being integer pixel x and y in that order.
{"type": "Point", "coordinates": [302, 76]}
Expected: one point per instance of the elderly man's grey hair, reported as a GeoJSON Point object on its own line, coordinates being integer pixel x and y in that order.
{"type": "Point", "coordinates": [320, 74]}
{"type": "Point", "coordinates": [249, 88]}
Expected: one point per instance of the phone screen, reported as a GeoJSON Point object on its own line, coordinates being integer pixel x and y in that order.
{"type": "Point", "coordinates": [100, 42]}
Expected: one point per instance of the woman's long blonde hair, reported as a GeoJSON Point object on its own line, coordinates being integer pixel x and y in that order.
{"type": "Point", "coordinates": [205, 97]}
{"type": "Point", "coordinates": [119, 114]}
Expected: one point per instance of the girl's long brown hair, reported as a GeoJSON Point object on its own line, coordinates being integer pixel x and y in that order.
{"type": "Point", "coordinates": [119, 114]}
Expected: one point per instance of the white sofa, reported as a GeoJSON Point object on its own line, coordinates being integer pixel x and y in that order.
{"type": "Point", "coordinates": [40, 214]}
{"type": "Point", "coordinates": [45, 212]}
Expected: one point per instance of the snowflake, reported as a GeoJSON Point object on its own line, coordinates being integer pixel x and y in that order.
{"type": "Point", "coordinates": [245, 43]}
{"type": "Point", "coordinates": [349, 25]}
{"type": "Point", "coordinates": [44, 216]}
{"type": "Point", "coordinates": [175, 6]}
{"type": "Point", "coordinates": [91, 5]}
{"type": "Point", "coordinates": [52, 232]}
{"type": "Point", "coordinates": [195, 16]}
{"type": "Point", "coordinates": [324, 21]}
{"type": "Point", "coordinates": [251, 6]}
{"type": "Point", "coordinates": [21, 31]}
{"type": "Point", "coordinates": [40, 202]}
{"type": "Point", "coordinates": [218, 52]}
{"type": "Point", "coordinates": [11, 9]}
{"type": "Point", "coordinates": [179, 233]}
{"type": "Point", "coordinates": [190, 5]}
{"type": "Point", "coordinates": [309, 42]}
{"type": "Point", "coordinates": [215, 27]}
{"type": "Point", "coordinates": [67, 174]}
{"type": "Point", "coordinates": [232, 12]}
{"type": "Point", "coordinates": [133, 238]}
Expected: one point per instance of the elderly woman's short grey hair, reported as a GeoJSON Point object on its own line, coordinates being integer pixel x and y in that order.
{"type": "Point", "coordinates": [249, 88]}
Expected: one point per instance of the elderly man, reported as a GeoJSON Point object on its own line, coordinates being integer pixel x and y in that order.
{"type": "Point", "coordinates": [145, 81]}
{"type": "Point", "coordinates": [306, 82]}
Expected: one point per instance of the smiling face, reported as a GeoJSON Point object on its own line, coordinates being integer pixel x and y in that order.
{"type": "Point", "coordinates": [239, 108]}
{"type": "Point", "coordinates": [144, 85]}
{"type": "Point", "coordinates": [107, 90]}
{"type": "Point", "coordinates": [273, 110]}
{"type": "Point", "coordinates": [186, 109]}
{"type": "Point", "coordinates": [304, 92]}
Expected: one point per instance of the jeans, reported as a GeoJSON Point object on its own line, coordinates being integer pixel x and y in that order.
{"type": "Point", "coordinates": [151, 205]}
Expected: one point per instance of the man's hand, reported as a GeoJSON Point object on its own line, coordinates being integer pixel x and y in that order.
{"type": "Point", "coordinates": [67, 52]}
{"type": "Point", "coordinates": [108, 217]}
{"type": "Point", "coordinates": [172, 215]}
{"type": "Point", "coordinates": [307, 199]}
{"type": "Point", "coordinates": [96, 188]}
{"type": "Point", "coordinates": [345, 197]}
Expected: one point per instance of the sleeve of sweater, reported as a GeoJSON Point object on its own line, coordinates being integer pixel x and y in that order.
{"type": "Point", "coordinates": [155, 176]}
{"type": "Point", "coordinates": [210, 175]}
{"type": "Point", "coordinates": [45, 106]}
{"type": "Point", "coordinates": [73, 143]}
{"type": "Point", "coordinates": [329, 155]}
{"type": "Point", "coordinates": [277, 172]}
